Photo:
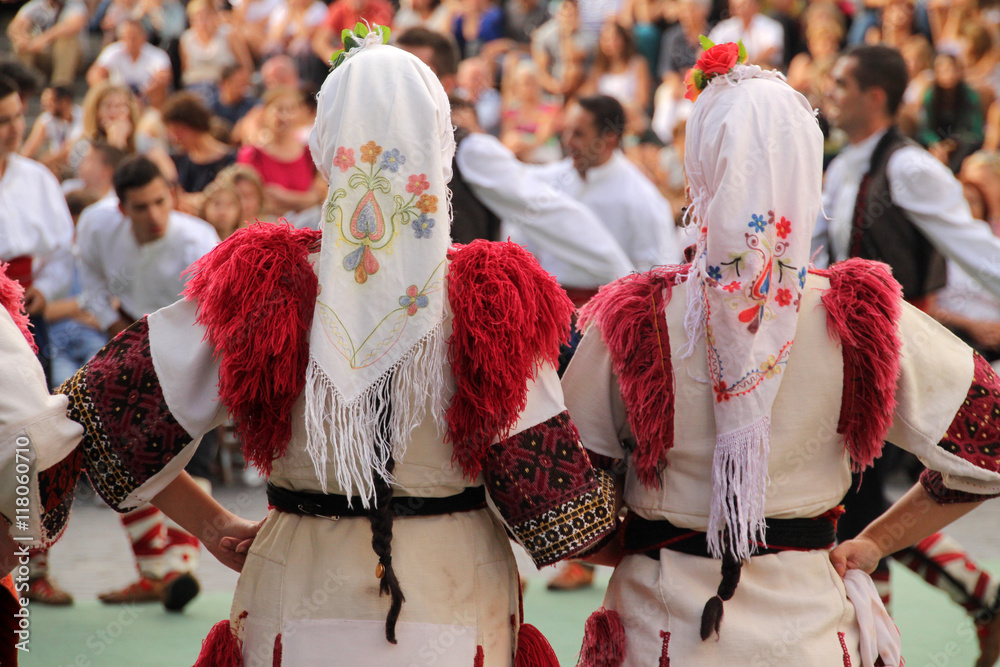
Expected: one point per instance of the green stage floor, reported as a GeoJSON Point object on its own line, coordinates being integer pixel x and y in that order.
{"type": "Point", "coordinates": [936, 633]}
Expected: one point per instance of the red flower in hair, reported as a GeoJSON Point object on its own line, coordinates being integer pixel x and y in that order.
{"type": "Point", "coordinates": [719, 59]}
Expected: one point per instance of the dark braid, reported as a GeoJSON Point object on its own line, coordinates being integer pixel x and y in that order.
{"type": "Point", "coordinates": [381, 517]}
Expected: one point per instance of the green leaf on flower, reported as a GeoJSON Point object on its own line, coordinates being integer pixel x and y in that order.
{"type": "Point", "coordinates": [706, 43]}
{"type": "Point", "coordinates": [743, 52]}
{"type": "Point", "coordinates": [699, 79]}
{"type": "Point", "coordinates": [385, 34]}
{"type": "Point", "coordinates": [361, 30]}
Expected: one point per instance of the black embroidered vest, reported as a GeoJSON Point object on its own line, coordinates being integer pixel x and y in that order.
{"type": "Point", "coordinates": [882, 232]}
{"type": "Point", "coordinates": [471, 219]}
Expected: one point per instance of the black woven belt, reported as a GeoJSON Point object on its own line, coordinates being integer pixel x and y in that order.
{"type": "Point", "coordinates": [329, 505]}
{"type": "Point", "coordinates": [648, 537]}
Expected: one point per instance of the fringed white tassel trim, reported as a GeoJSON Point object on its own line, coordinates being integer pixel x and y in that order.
{"type": "Point", "coordinates": [349, 432]}
{"type": "Point", "coordinates": [739, 481]}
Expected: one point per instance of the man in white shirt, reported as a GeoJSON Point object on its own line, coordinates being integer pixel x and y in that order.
{"type": "Point", "coordinates": [763, 37]}
{"type": "Point", "coordinates": [889, 200]}
{"type": "Point", "coordinates": [46, 34]}
{"type": "Point", "coordinates": [599, 176]}
{"type": "Point", "coordinates": [134, 62]}
{"type": "Point", "coordinates": [135, 252]}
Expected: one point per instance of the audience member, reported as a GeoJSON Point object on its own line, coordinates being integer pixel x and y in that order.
{"type": "Point", "coordinates": [479, 23]}
{"type": "Point", "coordinates": [563, 51]}
{"type": "Point", "coordinates": [134, 62]}
{"type": "Point", "coordinates": [528, 121]}
{"type": "Point", "coordinates": [343, 15]}
{"type": "Point", "coordinates": [222, 209]}
{"type": "Point", "coordinates": [436, 50]}
{"type": "Point", "coordinates": [951, 120]}
{"type": "Point", "coordinates": [46, 35]}
{"type": "Point", "coordinates": [620, 72]}
{"type": "Point", "coordinates": [431, 14]}
{"type": "Point", "coordinates": [235, 100]}
{"type": "Point", "coordinates": [207, 47]}
{"type": "Point", "coordinates": [199, 156]}
{"type": "Point", "coordinates": [523, 18]}
{"type": "Point", "coordinates": [54, 129]}
{"type": "Point", "coordinates": [290, 30]}
{"type": "Point", "coordinates": [762, 36]}
{"type": "Point", "coordinates": [247, 183]}
{"type": "Point", "coordinates": [475, 83]}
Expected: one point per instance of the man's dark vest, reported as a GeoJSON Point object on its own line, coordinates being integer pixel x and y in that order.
{"type": "Point", "coordinates": [882, 232]}
{"type": "Point", "coordinates": [471, 219]}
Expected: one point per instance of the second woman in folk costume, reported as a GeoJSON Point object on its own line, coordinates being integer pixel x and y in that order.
{"type": "Point", "coordinates": [742, 389]}
{"type": "Point", "coordinates": [391, 387]}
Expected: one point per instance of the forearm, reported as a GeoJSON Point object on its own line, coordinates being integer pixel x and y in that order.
{"type": "Point", "coordinates": [192, 508]}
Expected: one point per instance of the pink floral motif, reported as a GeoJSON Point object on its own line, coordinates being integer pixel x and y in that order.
{"type": "Point", "coordinates": [732, 287]}
{"type": "Point", "coordinates": [783, 297]}
{"type": "Point", "coordinates": [418, 184]}
{"type": "Point", "coordinates": [344, 159]}
{"type": "Point", "coordinates": [413, 300]}
{"type": "Point", "coordinates": [783, 227]}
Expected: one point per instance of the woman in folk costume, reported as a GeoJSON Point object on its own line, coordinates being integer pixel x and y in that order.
{"type": "Point", "coordinates": [740, 391]}
{"type": "Point", "coordinates": [390, 387]}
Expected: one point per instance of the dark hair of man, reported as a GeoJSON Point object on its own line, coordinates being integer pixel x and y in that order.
{"type": "Point", "coordinates": [77, 200]}
{"type": "Point", "coordinates": [27, 80]}
{"type": "Point", "coordinates": [608, 113]}
{"type": "Point", "coordinates": [8, 86]}
{"type": "Point", "coordinates": [111, 156]}
{"type": "Point", "coordinates": [229, 71]}
{"type": "Point", "coordinates": [136, 171]}
{"type": "Point", "coordinates": [188, 110]}
{"type": "Point", "coordinates": [62, 93]}
{"type": "Point", "coordinates": [459, 103]}
{"type": "Point", "coordinates": [881, 67]}
{"type": "Point", "coordinates": [445, 60]}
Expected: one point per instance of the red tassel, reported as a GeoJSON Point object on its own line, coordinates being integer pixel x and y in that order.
{"type": "Point", "coordinates": [863, 307]}
{"type": "Point", "coordinates": [630, 315]}
{"type": "Point", "coordinates": [480, 658]}
{"type": "Point", "coordinates": [508, 315]}
{"type": "Point", "coordinates": [12, 300]}
{"type": "Point", "coordinates": [276, 658]}
{"type": "Point", "coordinates": [256, 293]}
{"type": "Point", "coordinates": [533, 649]}
{"type": "Point", "coordinates": [603, 640]}
{"type": "Point", "coordinates": [221, 648]}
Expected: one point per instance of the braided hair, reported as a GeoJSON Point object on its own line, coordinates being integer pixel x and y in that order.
{"type": "Point", "coordinates": [381, 517]}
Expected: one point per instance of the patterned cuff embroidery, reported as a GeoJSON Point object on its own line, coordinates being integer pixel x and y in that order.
{"type": "Point", "coordinates": [934, 486]}
{"type": "Point", "coordinates": [974, 434]}
{"type": "Point", "coordinates": [129, 432]}
{"type": "Point", "coordinates": [56, 487]}
{"type": "Point", "coordinates": [542, 482]}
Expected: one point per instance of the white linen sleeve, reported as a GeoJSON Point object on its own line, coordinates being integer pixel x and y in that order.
{"type": "Point", "coordinates": [55, 272]}
{"type": "Point", "coordinates": [94, 288]}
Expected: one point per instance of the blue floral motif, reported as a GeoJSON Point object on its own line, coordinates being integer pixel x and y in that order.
{"type": "Point", "coordinates": [757, 223]}
{"type": "Point", "coordinates": [392, 160]}
{"type": "Point", "coordinates": [715, 272]}
{"type": "Point", "coordinates": [802, 277]}
{"type": "Point", "coordinates": [423, 226]}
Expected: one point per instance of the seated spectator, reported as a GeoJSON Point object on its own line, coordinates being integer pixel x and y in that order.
{"type": "Point", "coordinates": [562, 51]}
{"type": "Point", "coordinates": [247, 182]}
{"type": "Point", "coordinates": [111, 114]}
{"type": "Point", "coordinates": [523, 18]}
{"type": "Point", "coordinates": [199, 156]}
{"type": "Point", "coordinates": [479, 23]}
{"type": "Point", "coordinates": [809, 71]}
{"type": "Point", "coordinates": [344, 15]}
{"type": "Point", "coordinates": [50, 138]}
{"type": "Point", "coordinates": [475, 83]}
{"type": "Point", "coordinates": [529, 122]}
{"type": "Point", "coordinates": [680, 47]}
{"type": "Point", "coordinates": [291, 182]}
{"type": "Point", "coordinates": [250, 18]}
{"type": "Point", "coordinates": [234, 100]}
{"type": "Point", "coordinates": [919, 57]}
{"type": "Point", "coordinates": [981, 62]}
{"type": "Point", "coordinates": [434, 48]}
{"type": "Point", "coordinates": [206, 48]}
{"type": "Point", "coordinates": [644, 20]}
{"type": "Point", "coordinates": [620, 72]}
{"type": "Point", "coordinates": [97, 170]}
{"type": "Point", "coordinates": [46, 35]}
{"type": "Point", "coordinates": [134, 62]}
{"type": "Point", "coordinates": [277, 72]}
{"type": "Point", "coordinates": [290, 30]}
{"type": "Point", "coordinates": [896, 25]}
{"type": "Point", "coordinates": [951, 121]}
{"type": "Point", "coordinates": [221, 207]}
{"type": "Point", "coordinates": [431, 14]}
{"type": "Point", "coordinates": [763, 37]}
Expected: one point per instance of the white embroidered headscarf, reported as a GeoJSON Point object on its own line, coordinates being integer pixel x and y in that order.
{"type": "Point", "coordinates": [754, 163]}
{"type": "Point", "coordinates": [383, 139]}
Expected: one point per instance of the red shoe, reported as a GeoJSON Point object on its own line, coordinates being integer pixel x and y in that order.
{"type": "Point", "coordinates": [43, 591]}
{"type": "Point", "coordinates": [572, 575]}
{"type": "Point", "coordinates": [146, 589]}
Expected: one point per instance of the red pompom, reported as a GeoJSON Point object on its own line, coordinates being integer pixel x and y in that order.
{"type": "Point", "coordinates": [12, 300]}
{"type": "Point", "coordinates": [603, 640]}
{"type": "Point", "coordinates": [533, 649]}
{"type": "Point", "coordinates": [221, 648]}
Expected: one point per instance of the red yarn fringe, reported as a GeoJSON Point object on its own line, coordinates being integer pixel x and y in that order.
{"type": "Point", "coordinates": [509, 315]}
{"type": "Point", "coordinates": [221, 648]}
{"type": "Point", "coordinates": [12, 299]}
{"type": "Point", "coordinates": [863, 307]}
{"type": "Point", "coordinates": [256, 293]}
{"type": "Point", "coordinates": [480, 657]}
{"type": "Point", "coordinates": [630, 315]}
{"type": "Point", "coordinates": [276, 658]}
{"type": "Point", "coordinates": [533, 649]}
{"type": "Point", "coordinates": [603, 640]}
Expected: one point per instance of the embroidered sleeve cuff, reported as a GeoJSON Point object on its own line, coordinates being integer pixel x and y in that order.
{"type": "Point", "coordinates": [129, 432]}
{"type": "Point", "coordinates": [936, 487]}
{"type": "Point", "coordinates": [553, 502]}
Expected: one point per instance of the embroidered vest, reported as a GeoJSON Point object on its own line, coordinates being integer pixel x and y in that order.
{"type": "Point", "coordinates": [882, 232]}
{"type": "Point", "coordinates": [471, 219]}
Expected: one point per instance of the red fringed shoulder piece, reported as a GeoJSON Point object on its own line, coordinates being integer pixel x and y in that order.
{"type": "Point", "coordinates": [12, 299]}
{"type": "Point", "coordinates": [863, 307]}
{"type": "Point", "coordinates": [221, 648]}
{"type": "Point", "coordinates": [256, 293]}
{"type": "Point", "coordinates": [533, 649]}
{"type": "Point", "coordinates": [603, 640]}
{"type": "Point", "coordinates": [508, 315]}
{"type": "Point", "coordinates": [630, 315]}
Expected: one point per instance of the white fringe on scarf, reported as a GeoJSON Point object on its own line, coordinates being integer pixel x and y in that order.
{"type": "Point", "coordinates": [739, 481]}
{"type": "Point", "coordinates": [349, 433]}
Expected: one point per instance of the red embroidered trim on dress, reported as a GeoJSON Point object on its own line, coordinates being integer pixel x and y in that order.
{"type": "Point", "coordinates": [256, 293]}
{"type": "Point", "coordinates": [480, 658]}
{"type": "Point", "coordinates": [630, 315]}
{"type": "Point", "coordinates": [509, 315]}
{"type": "Point", "coordinates": [276, 659]}
{"type": "Point", "coordinates": [12, 299]}
{"type": "Point", "coordinates": [863, 307]}
{"type": "Point", "coordinates": [664, 652]}
{"type": "Point", "coordinates": [843, 645]}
